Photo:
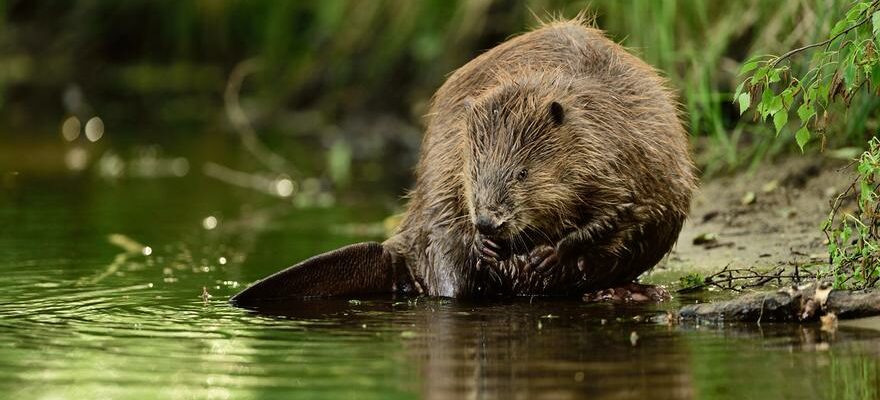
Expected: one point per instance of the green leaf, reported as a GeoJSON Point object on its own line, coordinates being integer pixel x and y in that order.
{"type": "Point", "coordinates": [810, 93]}
{"type": "Point", "coordinates": [875, 23]}
{"type": "Point", "coordinates": [739, 90]}
{"type": "Point", "coordinates": [760, 74]}
{"type": "Point", "coordinates": [864, 168]}
{"type": "Point", "coordinates": [748, 67]}
{"type": "Point", "coordinates": [853, 14]}
{"type": "Point", "coordinates": [787, 96]}
{"type": "Point", "coordinates": [849, 75]}
{"type": "Point", "coordinates": [802, 137]}
{"type": "Point", "coordinates": [775, 105]}
{"type": "Point", "coordinates": [821, 93]}
{"type": "Point", "coordinates": [865, 191]}
{"type": "Point", "coordinates": [840, 26]}
{"type": "Point", "coordinates": [779, 120]}
{"type": "Point", "coordinates": [805, 112]}
{"type": "Point", "coordinates": [774, 75]}
{"type": "Point", "coordinates": [745, 100]}
{"type": "Point", "coordinates": [766, 100]}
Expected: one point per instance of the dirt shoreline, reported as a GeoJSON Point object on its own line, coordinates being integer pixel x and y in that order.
{"type": "Point", "coordinates": [778, 224]}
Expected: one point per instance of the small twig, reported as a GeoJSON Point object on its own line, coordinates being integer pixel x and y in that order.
{"type": "Point", "coordinates": [727, 278]}
{"type": "Point", "coordinates": [258, 182]}
{"type": "Point", "coordinates": [761, 315]}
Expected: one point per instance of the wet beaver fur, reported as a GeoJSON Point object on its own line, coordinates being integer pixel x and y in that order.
{"type": "Point", "coordinates": [553, 164]}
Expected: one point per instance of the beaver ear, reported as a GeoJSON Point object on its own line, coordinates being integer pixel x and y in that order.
{"type": "Point", "coordinates": [557, 113]}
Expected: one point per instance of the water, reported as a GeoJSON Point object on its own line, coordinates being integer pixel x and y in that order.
{"type": "Point", "coordinates": [119, 289]}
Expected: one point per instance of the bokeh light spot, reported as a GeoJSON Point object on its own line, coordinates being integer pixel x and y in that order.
{"type": "Point", "coordinates": [94, 129]}
{"type": "Point", "coordinates": [210, 222]}
{"type": "Point", "coordinates": [76, 159]}
{"type": "Point", "coordinates": [70, 128]}
{"type": "Point", "coordinates": [284, 187]}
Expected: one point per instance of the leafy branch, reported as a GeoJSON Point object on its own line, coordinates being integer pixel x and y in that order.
{"type": "Point", "coordinates": [824, 42]}
{"type": "Point", "coordinates": [848, 63]}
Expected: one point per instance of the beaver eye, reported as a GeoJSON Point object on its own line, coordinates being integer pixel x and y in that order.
{"type": "Point", "coordinates": [521, 176]}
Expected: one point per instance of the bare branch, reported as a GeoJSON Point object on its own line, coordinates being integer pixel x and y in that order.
{"type": "Point", "coordinates": [242, 124]}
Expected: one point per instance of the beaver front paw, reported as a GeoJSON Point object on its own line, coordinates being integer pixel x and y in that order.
{"type": "Point", "coordinates": [541, 259]}
{"type": "Point", "coordinates": [539, 272]}
{"type": "Point", "coordinates": [630, 292]}
{"type": "Point", "coordinates": [490, 251]}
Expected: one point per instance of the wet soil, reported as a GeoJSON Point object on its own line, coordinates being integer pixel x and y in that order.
{"type": "Point", "coordinates": [767, 218]}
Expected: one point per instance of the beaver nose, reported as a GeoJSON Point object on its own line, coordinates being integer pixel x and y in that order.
{"type": "Point", "coordinates": [488, 225]}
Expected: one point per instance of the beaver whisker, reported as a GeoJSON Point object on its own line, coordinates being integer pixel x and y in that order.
{"type": "Point", "coordinates": [538, 230]}
{"type": "Point", "coordinates": [453, 219]}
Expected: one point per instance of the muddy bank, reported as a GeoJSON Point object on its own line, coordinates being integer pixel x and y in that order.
{"type": "Point", "coordinates": [768, 218]}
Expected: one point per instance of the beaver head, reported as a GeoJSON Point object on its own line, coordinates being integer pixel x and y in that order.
{"type": "Point", "coordinates": [520, 169]}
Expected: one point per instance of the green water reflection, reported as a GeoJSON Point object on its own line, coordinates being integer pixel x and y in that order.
{"type": "Point", "coordinates": [87, 312]}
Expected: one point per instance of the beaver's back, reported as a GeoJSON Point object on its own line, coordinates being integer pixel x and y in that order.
{"type": "Point", "coordinates": [567, 48]}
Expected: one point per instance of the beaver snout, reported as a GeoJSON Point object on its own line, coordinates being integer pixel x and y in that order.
{"type": "Point", "coordinates": [489, 225]}
{"type": "Point", "coordinates": [490, 243]}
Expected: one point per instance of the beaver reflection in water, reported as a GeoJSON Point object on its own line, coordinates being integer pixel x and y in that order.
{"type": "Point", "coordinates": [553, 164]}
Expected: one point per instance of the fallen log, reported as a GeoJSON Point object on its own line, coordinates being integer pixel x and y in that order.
{"type": "Point", "coordinates": [796, 304]}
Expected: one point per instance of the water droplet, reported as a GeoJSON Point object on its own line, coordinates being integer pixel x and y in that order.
{"type": "Point", "coordinates": [210, 222]}
{"type": "Point", "coordinates": [222, 260]}
{"type": "Point", "coordinates": [147, 250]}
{"type": "Point", "coordinates": [70, 129]}
{"type": "Point", "coordinates": [94, 129]}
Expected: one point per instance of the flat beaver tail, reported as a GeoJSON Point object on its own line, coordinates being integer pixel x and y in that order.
{"type": "Point", "coordinates": [357, 269]}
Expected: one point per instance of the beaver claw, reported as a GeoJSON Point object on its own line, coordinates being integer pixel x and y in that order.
{"type": "Point", "coordinates": [489, 251]}
{"type": "Point", "coordinates": [631, 292]}
{"type": "Point", "coordinates": [538, 272]}
{"type": "Point", "coordinates": [541, 259]}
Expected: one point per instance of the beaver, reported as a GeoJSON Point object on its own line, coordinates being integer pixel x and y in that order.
{"type": "Point", "coordinates": [553, 164]}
